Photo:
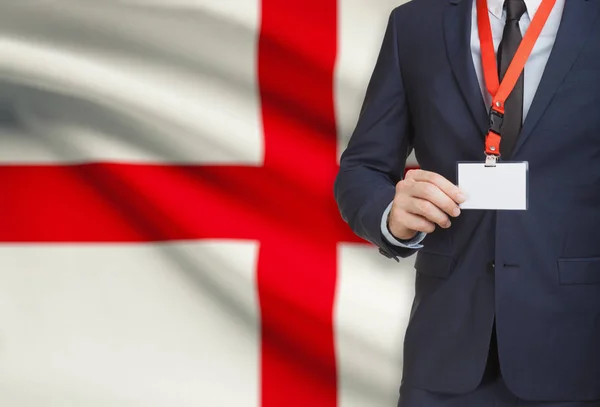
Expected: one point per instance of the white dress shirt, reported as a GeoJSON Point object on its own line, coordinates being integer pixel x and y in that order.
{"type": "Point", "coordinates": [534, 68]}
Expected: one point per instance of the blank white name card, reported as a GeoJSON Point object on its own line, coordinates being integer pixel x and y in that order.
{"type": "Point", "coordinates": [503, 187]}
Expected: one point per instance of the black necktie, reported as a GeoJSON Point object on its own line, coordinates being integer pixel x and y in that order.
{"type": "Point", "coordinates": [513, 107]}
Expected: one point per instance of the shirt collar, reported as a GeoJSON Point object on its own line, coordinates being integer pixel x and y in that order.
{"type": "Point", "coordinates": [496, 7]}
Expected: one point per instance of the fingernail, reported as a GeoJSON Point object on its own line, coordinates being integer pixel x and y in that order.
{"type": "Point", "coordinates": [447, 225]}
{"type": "Point", "coordinates": [456, 212]}
{"type": "Point", "coordinates": [461, 198]}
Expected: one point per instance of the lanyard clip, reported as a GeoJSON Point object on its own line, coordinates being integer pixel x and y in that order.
{"type": "Point", "coordinates": [490, 160]}
{"type": "Point", "coordinates": [496, 120]}
{"type": "Point", "coordinates": [492, 141]}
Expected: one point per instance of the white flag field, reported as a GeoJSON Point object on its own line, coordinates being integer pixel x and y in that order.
{"type": "Point", "coordinates": [169, 236]}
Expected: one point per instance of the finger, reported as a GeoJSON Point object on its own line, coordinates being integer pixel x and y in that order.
{"type": "Point", "coordinates": [417, 223]}
{"type": "Point", "coordinates": [442, 183]}
{"type": "Point", "coordinates": [430, 192]}
{"type": "Point", "coordinates": [429, 211]}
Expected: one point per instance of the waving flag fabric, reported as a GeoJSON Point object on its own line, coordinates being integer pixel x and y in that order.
{"type": "Point", "coordinates": [169, 235]}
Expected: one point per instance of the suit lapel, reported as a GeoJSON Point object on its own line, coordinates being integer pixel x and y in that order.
{"type": "Point", "coordinates": [457, 34]}
{"type": "Point", "coordinates": [577, 20]}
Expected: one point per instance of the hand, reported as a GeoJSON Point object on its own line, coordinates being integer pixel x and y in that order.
{"type": "Point", "coordinates": [423, 200]}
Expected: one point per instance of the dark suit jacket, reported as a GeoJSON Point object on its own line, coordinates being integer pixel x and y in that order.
{"type": "Point", "coordinates": [545, 289]}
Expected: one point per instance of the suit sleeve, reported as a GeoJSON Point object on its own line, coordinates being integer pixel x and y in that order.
{"type": "Point", "coordinates": [376, 156]}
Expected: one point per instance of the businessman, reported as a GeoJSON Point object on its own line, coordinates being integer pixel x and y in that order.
{"type": "Point", "coordinates": [507, 302]}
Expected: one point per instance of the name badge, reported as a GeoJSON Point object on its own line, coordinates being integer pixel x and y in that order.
{"type": "Point", "coordinates": [499, 187]}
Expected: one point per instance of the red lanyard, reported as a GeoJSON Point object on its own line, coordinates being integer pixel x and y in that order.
{"type": "Point", "coordinates": [501, 91]}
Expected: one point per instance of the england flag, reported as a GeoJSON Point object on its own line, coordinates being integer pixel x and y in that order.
{"type": "Point", "coordinates": [169, 236]}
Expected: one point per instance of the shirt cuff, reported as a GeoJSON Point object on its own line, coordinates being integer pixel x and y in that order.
{"type": "Point", "coordinates": [414, 243]}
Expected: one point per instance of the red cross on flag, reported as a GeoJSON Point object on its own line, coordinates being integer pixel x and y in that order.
{"type": "Point", "coordinates": [169, 235]}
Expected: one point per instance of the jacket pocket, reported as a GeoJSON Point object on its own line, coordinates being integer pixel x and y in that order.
{"type": "Point", "coordinates": [579, 271]}
{"type": "Point", "coordinates": [434, 264]}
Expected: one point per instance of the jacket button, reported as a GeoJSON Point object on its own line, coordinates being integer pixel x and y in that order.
{"type": "Point", "coordinates": [388, 255]}
{"type": "Point", "coordinates": [491, 267]}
